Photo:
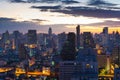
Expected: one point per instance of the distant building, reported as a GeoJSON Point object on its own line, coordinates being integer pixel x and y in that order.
{"type": "Point", "coordinates": [105, 30]}
{"type": "Point", "coordinates": [49, 39]}
{"type": "Point", "coordinates": [105, 38]}
{"type": "Point", "coordinates": [6, 40]}
{"type": "Point", "coordinates": [68, 51]}
{"type": "Point", "coordinates": [61, 40]}
{"type": "Point", "coordinates": [22, 52]}
{"type": "Point", "coordinates": [78, 36]}
{"type": "Point", "coordinates": [16, 39]}
{"type": "Point", "coordinates": [88, 40]}
{"type": "Point", "coordinates": [50, 32]}
{"type": "Point", "coordinates": [32, 38]}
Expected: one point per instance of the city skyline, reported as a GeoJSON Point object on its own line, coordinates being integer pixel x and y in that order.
{"type": "Point", "coordinates": [61, 16]}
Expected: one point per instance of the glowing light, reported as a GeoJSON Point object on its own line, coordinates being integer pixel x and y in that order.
{"type": "Point", "coordinates": [46, 70]}
{"type": "Point", "coordinates": [32, 46]}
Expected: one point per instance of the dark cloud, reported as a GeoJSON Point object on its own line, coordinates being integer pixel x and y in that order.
{"type": "Point", "coordinates": [100, 3]}
{"type": "Point", "coordinates": [70, 2]}
{"type": "Point", "coordinates": [108, 12]}
{"type": "Point", "coordinates": [17, 1]}
{"type": "Point", "coordinates": [46, 7]}
{"type": "Point", "coordinates": [46, 1]}
{"type": "Point", "coordinates": [108, 23]}
{"type": "Point", "coordinates": [38, 20]}
{"type": "Point", "coordinates": [6, 19]}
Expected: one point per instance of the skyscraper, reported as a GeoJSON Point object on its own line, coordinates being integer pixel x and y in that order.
{"type": "Point", "coordinates": [50, 38]}
{"type": "Point", "coordinates": [16, 40]}
{"type": "Point", "coordinates": [61, 40]}
{"type": "Point", "coordinates": [6, 40]}
{"type": "Point", "coordinates": [105, 37]}
{"type": "Point", "coordinates": [88, 40]}
{"type": "Point", "coordinates": [105, 30]}
{"type": "Point", "coordinates": [32, 37]}
{"type": "Point", "coordinates": [88, 69]}
{"type": "Point", "coordinates": [68, 51]}
{"type": "Point", "coordinates": [50, 33]}
{"type": "Point", "coordinates": [78, 36]}
{"type": "Point", "coordinates": [22, 52]}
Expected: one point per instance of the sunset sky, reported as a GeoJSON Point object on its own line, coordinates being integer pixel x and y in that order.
{"type": "Point", "coordinates": [60, 15]}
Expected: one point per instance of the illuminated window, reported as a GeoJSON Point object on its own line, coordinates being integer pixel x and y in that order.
{"type": "Point", "coordinates": [87, 65]}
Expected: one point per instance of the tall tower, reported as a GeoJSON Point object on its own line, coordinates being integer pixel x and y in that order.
{"type": "Point", "coordinates": [32, 38]}
{"type": "Point", "coordinates": [78, 36]}
{"type": "Point", "coordinates": [50, 32]}
{"type": "Point", "coordinates": [16, 40]}
{"type": "Point", "coordinates": [68, 51]}
{"type": "Point", "coordinates": [6, 40]}
{"type": "Point", "coordinates": [105, 37]}
{"type": "Point", "coordinates": [88, 40]}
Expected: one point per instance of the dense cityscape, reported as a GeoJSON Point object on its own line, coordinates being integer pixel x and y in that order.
{"type": "Point", "coordinates": [64, 56]}
{"type": "Point", "coordinates": [59, 39]}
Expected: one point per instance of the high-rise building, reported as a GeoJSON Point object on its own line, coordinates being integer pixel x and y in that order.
{"type": "Point", "coordinates": [105, 30]}
{"type": "Point", "coordinates": [6, 40]}
{"type": "Point", "coordinates": [32, 38]}
{"type": "Point", "coordinates": [88, 40]}
{"type": "Point", "coordinates": [50, 33]}
{"type": "Point", "coordinates": [68, 51]}
{"type": "Point", "coordinates": [78, 36]}
{"type": "Point", "coordinates": [85, 67]}
{"type": "Point", "coordinates": [61, 40]}
{"type": "Point", "coordinates": [67, 69]}
{"type": "Point", "coordinates": [105, 37]}
{"type": "Point", "coordinates": [87, 58]}
{"type": "Point", "coordinates": [16, 40]}
{"type": "Point", "coordinates": [22, 52]}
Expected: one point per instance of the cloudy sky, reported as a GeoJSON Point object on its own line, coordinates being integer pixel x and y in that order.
{"type": "Point", "coordinates": [60, 15]}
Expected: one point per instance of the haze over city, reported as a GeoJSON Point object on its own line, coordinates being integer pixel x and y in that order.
{"type": "Point", "coordinates": [61, 15]}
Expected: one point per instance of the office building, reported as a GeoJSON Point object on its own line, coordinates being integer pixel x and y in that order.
{"type": "Point", "coordinates": [88, 40]}
{"type": "Point", "coordinates": [78, 36]}
{"type": "Point", "coordinates": [32, 38]}
{"type": "Point", "coordinates": [68, 51]}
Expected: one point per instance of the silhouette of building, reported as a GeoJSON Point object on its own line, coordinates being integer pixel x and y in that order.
{"type": "Point", "coordinates": [16, 39]}
{"type": "Point", "coordinates": [32, 38]}
{"type": "Point", "coordinates": [105, 30]}
{"type": "Point", "coordinates": [88, 40]}
{"type": "Point", "coordinates": [6, 40]}
{"type": "Point", "coordinates": [50, 33]}
{"type": "Point", "coordinates": [22, 52]}
{"type": "Point", "coordinates": [105, 37]}
{"type": "Point", "coordinates": [68, 51]}
{"type": "Point", "coordinates": [62, 37]}
{"type": "Point", "coordinates": [49, 39]}
{"type": "Point", "coordinates": [78, 37]}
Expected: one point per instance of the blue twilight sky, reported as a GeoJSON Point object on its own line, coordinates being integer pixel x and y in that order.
{"type": "Point", "coordinates": [61, 15]}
